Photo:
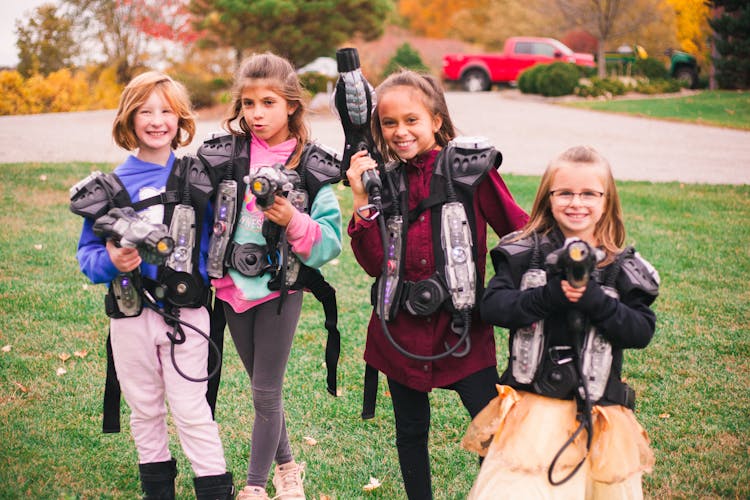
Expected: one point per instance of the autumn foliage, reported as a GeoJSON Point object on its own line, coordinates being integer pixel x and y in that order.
{"type": "Point", "coordinates": [60, 91]}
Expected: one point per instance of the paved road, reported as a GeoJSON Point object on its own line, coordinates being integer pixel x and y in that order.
{"type": "Point", "coordinates": [528, 132]}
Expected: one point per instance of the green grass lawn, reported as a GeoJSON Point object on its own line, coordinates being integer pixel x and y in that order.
{"type": "Point", "coordinates": [692, 381]}
{"type": "Point", "coordinates": [721, 108]}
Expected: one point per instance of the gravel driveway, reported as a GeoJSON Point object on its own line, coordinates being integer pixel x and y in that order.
{"type": "Point", "coordinates": [527, 131]}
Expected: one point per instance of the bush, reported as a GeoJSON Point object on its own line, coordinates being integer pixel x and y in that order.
{"type": "Point", "coordinates": [15, 99]}
{"type": "Point", "coordinates": [650, 68]}
{"type": "Point", "coordinates": [316, 83]}
{"type": "Point", "coordinates": [60, 91]}
{"type": "Point", "coordinates": [202, 90]}
{"type": "Point", "coordinates": [405, 57]}
{"type": "Point", "coordinates": [558, 79]}
{"type": "Point", "coordinates": [658, 86]}
{"type": "Point", "coordinates": [528, 80]}
{"type": "Point", "coordinates": [595, 87]}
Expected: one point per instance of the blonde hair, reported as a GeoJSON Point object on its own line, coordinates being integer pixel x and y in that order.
{"type": "Point", "coordinates": [278, 74]}
{"type": "Point", "coordinates": [610, 230]}
{"type": "Point", "coordinates": [137, 92]}
{"type": "Point", "coordinates": [432, 97]}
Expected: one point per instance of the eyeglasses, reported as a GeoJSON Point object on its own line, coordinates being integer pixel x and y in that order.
{"type": "Point", "coordinates": [565, 197]}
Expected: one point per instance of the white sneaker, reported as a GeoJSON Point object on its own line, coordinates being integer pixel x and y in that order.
{"type": "Point", "coordinates": [288, 480]}
{"type": "Point", "coordinates": [252, 493]}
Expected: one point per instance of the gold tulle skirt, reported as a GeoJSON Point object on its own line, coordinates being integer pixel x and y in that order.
{"type": "Point", "coordinates": [519, 434]}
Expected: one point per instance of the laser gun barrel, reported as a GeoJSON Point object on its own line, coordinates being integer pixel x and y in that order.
{"type": "Point", "coordinates": [127, 229]}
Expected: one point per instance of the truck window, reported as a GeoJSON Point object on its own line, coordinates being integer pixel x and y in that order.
{"type": "Point", "coordinates": [544, 49]}
{"type": "Point", "coordinates": [524, 48]}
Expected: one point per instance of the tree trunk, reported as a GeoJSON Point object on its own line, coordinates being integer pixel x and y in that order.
{"type": "Point", "coordinates": [601, 67]}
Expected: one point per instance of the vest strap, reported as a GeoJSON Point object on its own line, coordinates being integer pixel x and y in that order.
{"type": "Point", "coordinates": [165, 198]}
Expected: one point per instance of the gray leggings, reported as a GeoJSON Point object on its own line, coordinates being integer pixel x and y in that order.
{"type": "Point", "coordinates": [263, 340]}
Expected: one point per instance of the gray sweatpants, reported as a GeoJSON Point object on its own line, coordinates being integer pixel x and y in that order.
{"type": "Point", "coordinates": [263, 339]}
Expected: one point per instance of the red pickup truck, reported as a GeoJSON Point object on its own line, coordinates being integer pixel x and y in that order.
{"type": "Point", "coordinates": [477, 72]}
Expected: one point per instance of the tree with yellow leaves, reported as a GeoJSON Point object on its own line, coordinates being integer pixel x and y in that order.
{"type": "Point", "coordinates": [692, 26]}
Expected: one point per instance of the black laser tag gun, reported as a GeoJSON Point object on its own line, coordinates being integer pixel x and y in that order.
{"type": "Point", "coordinates": [268, 181]}
{"type": "Point", "coordinates": [127, 229]}
{"type": "Point", "coordinates": [354, 99]}
{"type": "Point", "coordinates": [577, 261]}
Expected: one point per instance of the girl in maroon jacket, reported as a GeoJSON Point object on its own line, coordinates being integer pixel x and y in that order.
{"type": "Point", "coordinates": [421, 334]}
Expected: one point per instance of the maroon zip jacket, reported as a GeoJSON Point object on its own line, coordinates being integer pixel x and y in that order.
{"type": "Point", "coordinates": [426, 336]}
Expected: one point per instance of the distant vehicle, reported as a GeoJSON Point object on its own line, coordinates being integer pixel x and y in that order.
{"type": "Point", "coordinates": [682, 66]}
{"type": "Point", "coordinates": [478, 72]}
{"type": "Point", "coordinates": [323, 65]}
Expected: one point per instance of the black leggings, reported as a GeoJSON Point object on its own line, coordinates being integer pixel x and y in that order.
{"type": "Point", "coordinates": [411, 409]}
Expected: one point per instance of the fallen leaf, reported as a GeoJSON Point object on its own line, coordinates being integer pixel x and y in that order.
{"type": "Point", "coordinates": [310, 440]}
{"type": "Point", "coordinates": [64, 356]}
{"type": "Point", "coordinates": [373, 484]}
{"type": "Point", "coordinates": [61, 371]}
{"type": "Point", "coordinates": [6, 348]}
{"type": "Point", "coordinates": [334, 262]}
{"type": "Point", "coordinates": [42, 177]}
{"type": "Point", "coordinates": [387, 394]}
{"type": "Point", "coordinates": [21, 386]}
{"type": "Point", "coordinates": [38, 246]}
{"type": "Point", "coordinates": [665, 415]}
{"type": "Point", "coordinates": [85, 286]}
{"type": "Point", "coordinates": [324, 497]}
{"type": "Point", "coordinates": [81, 354]}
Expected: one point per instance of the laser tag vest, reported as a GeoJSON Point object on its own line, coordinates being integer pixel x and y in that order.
{"type": "Point", "coordinates": [628, 272]}
{"type": "Point", "coordinates": [228, 157]}
{"type": "Point", "coordinates": [188, 182]}
{"type": "Point", "coordinates": [458, 168]}
{"type": "Point", "coordinates": [462, 168]}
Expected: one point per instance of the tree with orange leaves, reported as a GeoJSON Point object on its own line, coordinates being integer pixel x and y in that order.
{"type": "Point", "coordinates": [435, 18]}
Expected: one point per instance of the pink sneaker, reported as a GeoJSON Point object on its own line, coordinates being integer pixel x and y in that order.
{"type": "Point", "coordinates": [252, 493]}
{"type": "Point", "coordinates": [288, 481]}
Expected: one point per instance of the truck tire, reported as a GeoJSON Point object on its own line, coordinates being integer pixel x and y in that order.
{"type": "Point", "coordinates": [687, 75]}
{"type": "Point", "coordinates": [475, 80]}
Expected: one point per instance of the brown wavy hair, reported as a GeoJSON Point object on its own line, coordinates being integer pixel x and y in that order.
{"type": "Point", "coordinates": [610, 230]}
{"type": "Point", "coordinates": [137, 92]}
{"type": "Point", "coordinates": [278, 74]}
{"type": "Point", "coordinates": [433, 98]}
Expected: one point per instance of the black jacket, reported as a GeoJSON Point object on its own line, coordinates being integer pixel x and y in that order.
{"type": "Point", "coordinates": [627, 323]}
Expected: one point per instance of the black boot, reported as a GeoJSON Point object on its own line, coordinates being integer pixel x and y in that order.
{"type": "Point", "coordinates": [157, 479]}
{"type": "Point", "coordinates": [218, 487]}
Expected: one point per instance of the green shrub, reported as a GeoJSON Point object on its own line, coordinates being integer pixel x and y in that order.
{"type": "Point", "coordinates": [528, 80]}
{"type": "Point", "coordinates": [202, 89]}
{"type": "Point", "coordinates": [405, 57]}
{"type": "Point", "coordinates": [650, 68]}
{"type": "Point", "coordinates": [595, 87]}
{"type": "Point", "coordinates": [316, 83]}
{"type": "Point", "coordinates": [658, 86]}
{"type": "Point", "coordinates": [558, 79]}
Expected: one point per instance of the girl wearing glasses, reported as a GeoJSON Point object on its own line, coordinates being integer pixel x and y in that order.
{"type": "Point", "coordinates": [573, 299]}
